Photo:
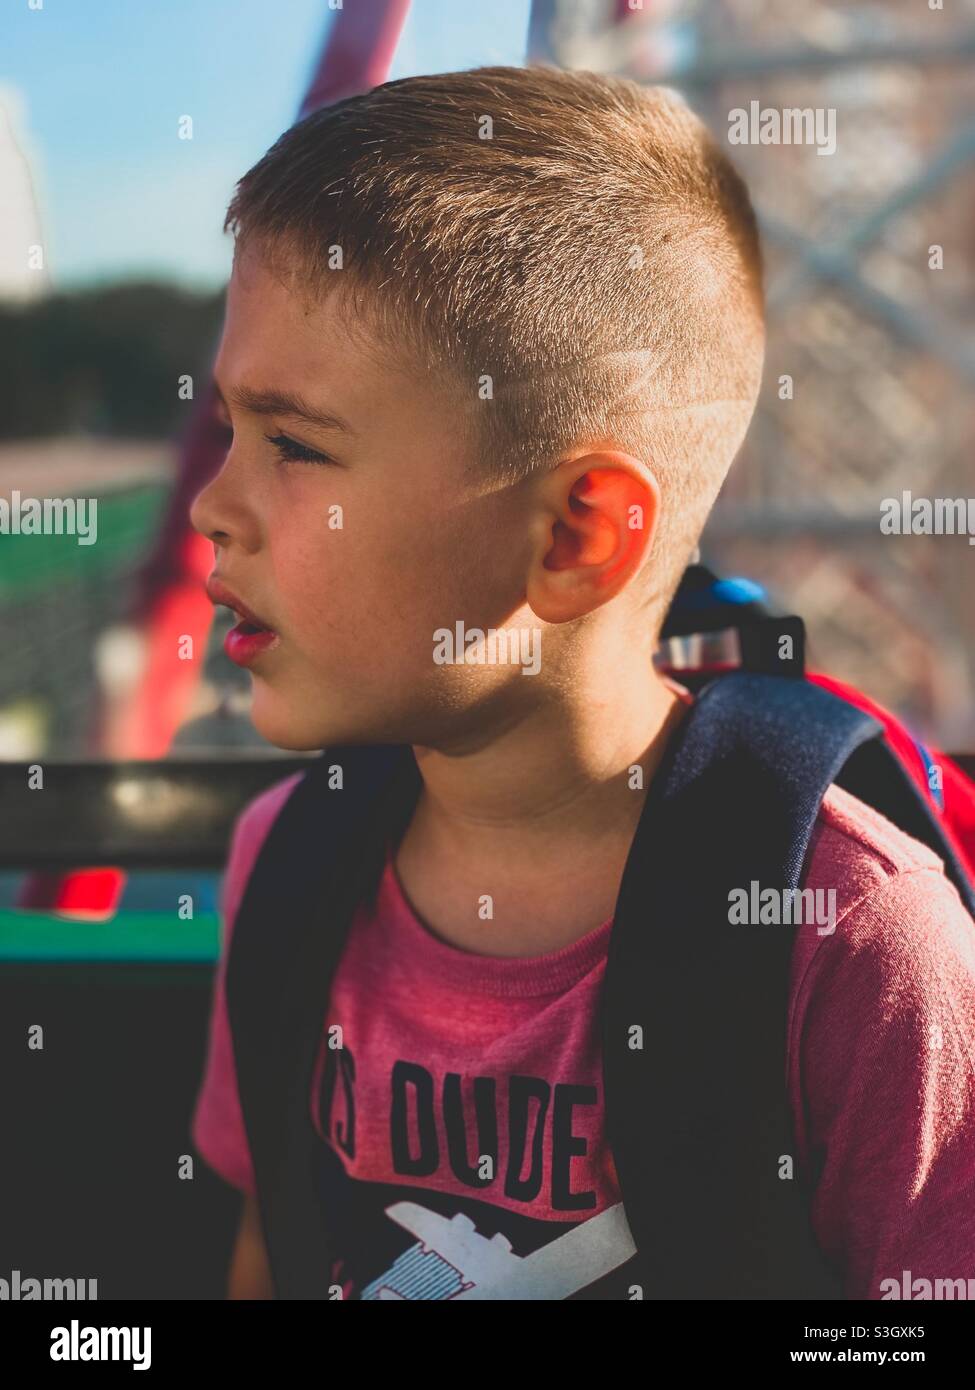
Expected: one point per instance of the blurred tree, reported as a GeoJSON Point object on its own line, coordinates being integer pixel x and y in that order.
{"type": "Point", "coordinates": [104, 361]}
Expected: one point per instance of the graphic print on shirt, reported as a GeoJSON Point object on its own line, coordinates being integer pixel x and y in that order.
{"type": "Point", "coordinates": [451, 1260]}
{"type": "Point", "coordinates": [421, 1239]}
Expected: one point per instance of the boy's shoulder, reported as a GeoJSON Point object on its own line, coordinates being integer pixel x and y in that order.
{"type": "Point", "coordinates": [895, 907]}
{"type": "Point", "coordinates": [881, 1052]}
{"type": "Point", "coordinates": [855, 848]}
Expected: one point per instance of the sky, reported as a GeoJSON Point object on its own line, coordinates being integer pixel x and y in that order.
{"type": "Point", "coordinates": [95, 89]}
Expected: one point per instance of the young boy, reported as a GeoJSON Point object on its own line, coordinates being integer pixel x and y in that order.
{"type": "Point", "coordinates": [493, 339]}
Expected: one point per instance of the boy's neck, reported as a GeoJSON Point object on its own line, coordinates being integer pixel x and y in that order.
{"type": "Point", "coordinates": [541, 818]}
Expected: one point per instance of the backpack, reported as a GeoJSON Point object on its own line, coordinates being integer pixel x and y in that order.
{"type": "Point", "coordinates": [698, 1117]}
{"type": "Point", "coordinates": [731, 615]}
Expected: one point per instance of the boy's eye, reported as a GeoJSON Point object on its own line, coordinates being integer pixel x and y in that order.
{"type": "Point", "coordinates": [290, 451]}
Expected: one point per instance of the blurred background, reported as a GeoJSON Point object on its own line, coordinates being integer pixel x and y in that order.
{"type": "Point", "coordinates": [123, 128]}
{"type": "Point", "coordinates": [129, 300]}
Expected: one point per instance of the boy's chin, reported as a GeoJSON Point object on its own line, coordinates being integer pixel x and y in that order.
{"type": "Point", "coordinates": [287, 728]}
{"type": "Point", "coordinates": [303, 722]}
{"type": "Point", "coordinates": [289, 725]}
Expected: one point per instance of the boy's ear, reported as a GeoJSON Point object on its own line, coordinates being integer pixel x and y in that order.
{"type": "Point", "coordinates": [595, 517]}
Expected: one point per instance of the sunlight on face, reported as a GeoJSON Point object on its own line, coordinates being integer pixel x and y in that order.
{"type": "Point", "coordinates": [353, 538]}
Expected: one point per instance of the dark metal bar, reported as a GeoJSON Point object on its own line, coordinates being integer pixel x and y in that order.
{"type": "Point", "coordinates": [168, 814]}
{"type": "Point", "coordinates": [172, 814]}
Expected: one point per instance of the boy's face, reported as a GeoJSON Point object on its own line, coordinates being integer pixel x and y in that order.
{"type": "Point", "coordinates": [355, 607]}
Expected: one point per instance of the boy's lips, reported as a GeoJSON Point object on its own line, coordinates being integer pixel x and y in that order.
{"type": "Point", "coordinates": [252, 635]}
{"type": "Point", "coordinates": [220, 594]}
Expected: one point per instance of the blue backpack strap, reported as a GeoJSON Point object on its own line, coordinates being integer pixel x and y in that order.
{"type": "Point", "coordinates": [698, 1116]}
{"type": "Point", "coordinates": [936, 793]}
{"type": "Point", "coordinates": [322, 856]}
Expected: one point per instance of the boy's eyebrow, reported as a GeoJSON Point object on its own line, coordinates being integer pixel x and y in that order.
{"type": "Point", "coordinates": [272, 402]}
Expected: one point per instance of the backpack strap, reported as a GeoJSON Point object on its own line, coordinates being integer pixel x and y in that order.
{"type": "Point", "coordinates": [699, 1118]}
{"type": "Point", "coordinates": [877, 776]}
{"type": "Point", "coordinates": [322, 856]}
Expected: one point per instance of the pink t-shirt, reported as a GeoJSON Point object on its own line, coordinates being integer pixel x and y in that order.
{"type": "Point", "coordinates": [459, 1096]}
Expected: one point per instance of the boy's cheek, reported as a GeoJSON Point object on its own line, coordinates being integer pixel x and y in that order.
{"type": "Point", "coordinates": [357, 657]}
{"type": "Point", "coordinates": [310, 708]}
{"type": "Point", "coordinates": [363, 643]}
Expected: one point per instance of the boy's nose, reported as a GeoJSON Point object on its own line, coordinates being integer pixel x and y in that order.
{"type": "Point", "coordinates": [207, 517]}
{"type": "Point", "coordinates": [203, 515]}
{"type": "Point", "coordinates": [220, 511]}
